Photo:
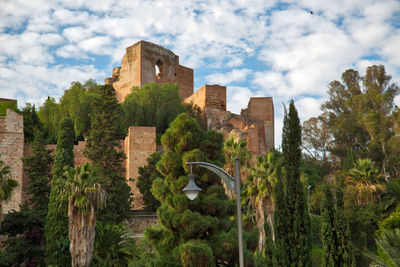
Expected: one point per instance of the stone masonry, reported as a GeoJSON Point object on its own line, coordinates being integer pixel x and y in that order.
{"type": "Point", "coordinates": [138, 146]}
{"type": "Point", "coordinates": [145, 63]}
{"type": "Point", "coordinates": [11, 151]}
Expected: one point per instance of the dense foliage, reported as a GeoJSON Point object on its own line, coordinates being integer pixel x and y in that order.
{"type": "Point", "coordinates": [351, 147]}
{"type": "Point", "coordinates": [356, 140]}
{"type": "Point", "coordinates": [201, 229]}
{"type": "Point", "coordinates": [293, 229]}
{"type": "Point", "coordinates": [335, 233]}
{"type": "Point", "coordinates": [152, 105]}
{"type": "Point", "coordinates": [56, 228]}
{"type": "Point", "coordinates": [104, 151]}
{"type": "Point", "coordinates": [76, 103]}
{"type": "Point", "coordinates": [147, 175]}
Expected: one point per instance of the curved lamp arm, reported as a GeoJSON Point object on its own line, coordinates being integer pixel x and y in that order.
{"type": "Point", "coordinates": [229, 180]}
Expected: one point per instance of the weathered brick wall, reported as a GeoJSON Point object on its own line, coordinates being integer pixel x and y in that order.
{"type": "Point", "coordinates": [139, 144]}
{"type": "Point", "coordinates": [262, 108]}
{"type": "Point", "coordinates": [210, 96]}
{"type": "Point", "coordinates": [12, 150]}
{"type": "Point", "coordinates": [184, 79]}
{"type": "Point", "coordinates": [138, 67]}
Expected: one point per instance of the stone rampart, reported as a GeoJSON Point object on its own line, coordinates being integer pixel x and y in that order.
{"type": "Point", "coordinates": [145, 63]}
{"type": "Point", "coordinates": [12, 150]}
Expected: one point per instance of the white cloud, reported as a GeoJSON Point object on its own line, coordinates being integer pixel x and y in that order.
{"type": "Point", "coordinates": [236, 75]}
{"type": "Point", "coordinates": [237, 98]}
{"type": "Point", "coordinates": [298, 53]}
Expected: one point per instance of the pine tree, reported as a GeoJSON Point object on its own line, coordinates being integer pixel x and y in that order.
{"type": "Point", "coordinates": [293, 242]}
{"type": "Point", "coordinates": [103, 149]}
{"type": "Point", "coordinates": [198, 232]}
{"type": "Point", "coordinates": [56, 228]}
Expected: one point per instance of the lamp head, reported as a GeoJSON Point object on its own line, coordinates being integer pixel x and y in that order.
{"type": "Point", "coordinates": [191, 190]}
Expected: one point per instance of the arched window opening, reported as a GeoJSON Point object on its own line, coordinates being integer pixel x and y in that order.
{"type": "Point", "coordinates": [159, 69]}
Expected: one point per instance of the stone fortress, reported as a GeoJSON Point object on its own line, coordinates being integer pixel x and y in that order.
{"type": "Point", "coordinates": [144, 63]}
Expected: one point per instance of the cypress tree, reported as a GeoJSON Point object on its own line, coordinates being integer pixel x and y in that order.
{"type": "Point", "coordinates": [281, 258]}
{"type": "Point", "coordinates": [293, 241]}
{"type": "Point", "coordinates": [335, 231]}
{"type": "Point", "coordinates": [345, 248]}
{"type": "Point", "coordinates": [328, 229]}
{"type": "Point", "coordinates": [104, 150]}
{"type": "Point", "coordinates": [38, 168]}
{"type": "Point", "coordinates": [56, 228]}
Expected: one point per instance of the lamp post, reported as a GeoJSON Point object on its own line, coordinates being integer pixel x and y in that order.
{"type": "Point", "coordinates": [308, 195]}
{"type": "Point", "coordinates": [192, 190]}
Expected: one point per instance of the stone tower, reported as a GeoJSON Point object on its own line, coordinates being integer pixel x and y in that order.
{"type": "Point", "coordinates": [145, 63]}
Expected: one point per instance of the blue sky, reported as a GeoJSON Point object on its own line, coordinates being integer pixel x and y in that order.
{"type": "Point", "coordinates": [255, 48]}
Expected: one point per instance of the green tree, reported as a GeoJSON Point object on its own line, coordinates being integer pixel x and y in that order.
{"type": "Point", "coordinates": [389, 247]}
{"type": "Point", "coordinates": [38, 169]}
{"type": "Point", "coordinates": [24, 244]}
{"type": "Point", "coordinates": [31, 122]}
{"type": "Point", "coordinates": [49, 116]}
{"type": "Point", "coordinates": [25, 228]}
{"type": "Point", "coordinates": [328, 229]}
{"type": "Point", "coordinates": [232, 150]}
{"type": "Point", "coordinates": [361, 116]}
{"type": "Point", "coordinates": [56, 228]}
{"type": "Point", "coordinates": [147, 174]}
{"type": "Point", "coordinates": [77, 103]}
{"type": "Point", "coordinates": [260, 186]}
{"type": "Point", "coordinates": [114, 246]}
{"type": "Point", "coordinates": [200, 229]}
{"type": "Point", "coordinates": [84, 194]}
{"type": "Point", "coordinates": [317, 139]}
{"type": "Point", "coordinates": [7, 186]}
{"type": "Point", "coordinates": [152, 105]}
{"type": "Point", "coordinates": [365, 179]}
{"type": "Point", "coordinates": [293, 241]}
{"type": "Point", "coordinates": [345, 247]}
{"type": "Point", "coordinates": [104, 150]}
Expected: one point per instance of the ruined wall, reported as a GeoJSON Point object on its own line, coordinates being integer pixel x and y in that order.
{"type": "Point", "coordinates": [139, 144]}
{"type": "Point", "coordinates": [262, 108]}
{"type": "Point", "coordinates": [12, 150]}
{"type": "Point", "coordinates": [145, 63]}
{"type": "Point", "coordinates": [211, 96]}
{"type": "Point", "coordinates": [255, 125]}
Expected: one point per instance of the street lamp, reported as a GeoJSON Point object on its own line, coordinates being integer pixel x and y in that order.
{"type": "Point", "coordinates": [192, 190]}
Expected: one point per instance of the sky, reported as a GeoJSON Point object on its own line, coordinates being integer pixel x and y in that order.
{"type": "Point", "coordinates": [283, 49]}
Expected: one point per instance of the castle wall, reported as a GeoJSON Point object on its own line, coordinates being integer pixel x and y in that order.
{"type": "Point", "coordinates": [211, 96]}
{"type": "Point", "coordinates": [12, 150]}
{"type": "Point", "coordinates": [138, 67]}
{"type": "Point", "coordinates": [139, 144]}
{"type": "Point", "coordinates": [262, 108]}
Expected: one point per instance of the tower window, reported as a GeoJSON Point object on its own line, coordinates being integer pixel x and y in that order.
{"type": "Point", "coordinates": [159, 68]}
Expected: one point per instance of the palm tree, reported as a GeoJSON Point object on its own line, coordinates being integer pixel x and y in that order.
{"type": "Point", "coordinates": [7, 186]}
{"type": "Point", "coordinates": [389, 244]}
{"type": "Point", "coordinates": [85, 194]}
{"type": "Point", "coordinates": [259, 190]}
{"type": "Point", "coordinates": [113, 245]}
{"type": "Point", "coordinates": [232, 150]}
{"type": "Point", "coordinates": [364, 177]}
